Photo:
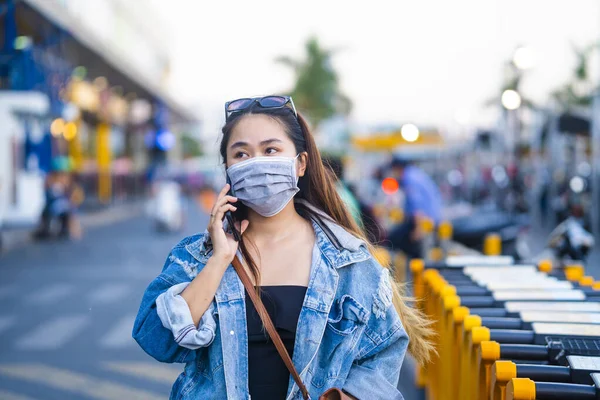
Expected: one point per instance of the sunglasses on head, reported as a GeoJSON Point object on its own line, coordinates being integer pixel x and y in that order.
{"type": "Point", "coordinates": [231, 107]}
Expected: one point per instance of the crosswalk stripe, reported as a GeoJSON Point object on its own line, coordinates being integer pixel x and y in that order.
{"type": "Point", "coordinates": [120, 335]}
{"type": "Point", "coordinates": [51, 294]}
{"type": "Point", "coordinates": [109, 293]}
{"type": "Point", "coordinates": [6, 395]}
{"type": "Point", "coordinates": [77, 383]}
{"type": "Point", "coordinates": [152, 371]}
{"type": "Point", "coordinates": [53, 334]}
{"type": "Point", "coordinates": [5, 323]}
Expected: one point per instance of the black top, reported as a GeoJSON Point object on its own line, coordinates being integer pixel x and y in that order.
{"type": "Point", "coordinates": [268, 376]}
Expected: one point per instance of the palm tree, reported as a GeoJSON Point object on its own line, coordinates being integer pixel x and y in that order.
{"type": "Point", "coordinates": [316, 91]}
{"type": "Point", "coordinates": [579, 91]}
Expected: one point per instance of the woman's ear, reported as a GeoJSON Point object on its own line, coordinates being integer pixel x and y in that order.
{"type": "Point", "coordinates": [302, 163]}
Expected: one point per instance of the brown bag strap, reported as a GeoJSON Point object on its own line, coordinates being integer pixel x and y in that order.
{"type": "Point", "coordinates": [266, 320]}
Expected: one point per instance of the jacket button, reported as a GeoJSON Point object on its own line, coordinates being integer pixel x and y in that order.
{"type": "Point", "coordinates": [231, 332]}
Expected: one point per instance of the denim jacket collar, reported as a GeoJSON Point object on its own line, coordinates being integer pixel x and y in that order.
{"type": "Point", "coordinates": [339, 246]}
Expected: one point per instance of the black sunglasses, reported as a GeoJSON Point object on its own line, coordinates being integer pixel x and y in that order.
{"type": "Point", "coordinates": [238, 105]}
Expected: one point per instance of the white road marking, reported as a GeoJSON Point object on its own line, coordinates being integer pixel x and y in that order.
{"type": "Point", "coordinates": [152, 371]}
{"type": "Point", "coordinates": [120, 335]}
{"type": "Point", "coordinates": [109, 293]}
{"type": "Point", "coordinates": [6, 395]}
{"type": "Point", "coordinates": [54, 333]}
{"type": "Point", "coordinates": [76, 383]}
{"type": "Point", "coordinates": [51, 294]}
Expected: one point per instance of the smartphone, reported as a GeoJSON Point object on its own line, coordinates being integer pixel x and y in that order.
{"type": "Point", "coordinates": [230, 220]}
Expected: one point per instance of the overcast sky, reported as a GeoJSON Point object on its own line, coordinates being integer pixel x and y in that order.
{"type": "Point", "coordinates": [420, 60]}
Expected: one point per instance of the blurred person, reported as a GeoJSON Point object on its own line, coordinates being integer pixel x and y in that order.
{"type": "Point", "coordinates": [337, 311]}
{"type": "Point", "coordinates": [422, 199]}
{"type": "Point", "coordinates": [59, 206]}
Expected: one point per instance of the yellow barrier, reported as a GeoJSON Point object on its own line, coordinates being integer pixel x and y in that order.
{"type": "Point", "coordinates": [449, 303]}
{"type": "Point", "coordinates": [502, 373]}
{"type": "Point", "coordinates": [587, 281]}
{"type": "Point", "coordinates": [488, 354]}
{"type": "Point", "coordinates": [520, 389]}
{"type": "Point", "coordinates": [545, 266]}
{"type": "Point", "coordinates": [492, 245]}
{"type": "Point", "coordinates": [417, 266]}
{"type": "Point", "coordinates": [457, 319]}
{"type": "Point", "coordinates": [470, 322]}
{"type": "Point", "coordinates": [477, 335]}
{"type": "Point", "coordinates": [574, 272]}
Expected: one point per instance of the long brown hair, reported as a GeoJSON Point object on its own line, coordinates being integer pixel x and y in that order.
{"type": "Point", "coordinates": [317, 186]}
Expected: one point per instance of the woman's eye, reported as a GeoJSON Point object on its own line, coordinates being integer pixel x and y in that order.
{"type": "Point", "coordinates": [240, 154]}
{"type": "Point", "coordinates": [271, 150]}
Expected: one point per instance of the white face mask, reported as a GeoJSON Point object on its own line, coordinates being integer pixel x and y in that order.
{"type": "Point", "coordinates": [265, 184]}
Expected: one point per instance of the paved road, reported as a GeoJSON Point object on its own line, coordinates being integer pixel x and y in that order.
{"type": "Point", "coordinates": [66, 314]}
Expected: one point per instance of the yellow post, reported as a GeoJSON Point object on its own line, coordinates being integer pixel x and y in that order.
{"type": "Point", "coordinates": [492, 245]}
{"type": "Point", "coordinates": [520, 389]}
{"type": "Point", "coordinates": [417, 266]}
{"type": "Point", "coordinates": [545, 266]}
{"type": "Point", "coordinates": [478, 334]}
{"type": "Point", "coordinates": [502, 373]}
{"type": "Point", "coordinates": [436, 254]}
{"type": "Point", "coordinates": [445, 231]}
{"type": "Point", "coordinates": [470, 322]}
{"type": "Point", "coordinates": [103, 153]}
{"type": "Point", "coordinates": [458, 317]}
{"type": "Point", "coordinates": [489, 353]}
{"type": "Point", "coordinates": [574, 272]}
{"type": "Point", "coordinates": [439, 292]}
{"type": "Point", "coordinates": [587, 281]}
{"type": "Point", "coordinates": [450, 302]}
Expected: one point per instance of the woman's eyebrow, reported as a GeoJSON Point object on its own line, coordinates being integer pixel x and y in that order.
{"type": "Point", "coordinates": [269, 141]}
{"type": "Point", "coordinates": [238, 144]}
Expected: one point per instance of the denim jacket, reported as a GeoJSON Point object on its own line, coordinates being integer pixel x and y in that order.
{"type": "Point", "coordinates": [348, 336]}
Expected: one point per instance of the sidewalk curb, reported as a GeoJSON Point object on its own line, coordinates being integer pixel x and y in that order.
{"type": "Point", "coordinates": [13, 239]}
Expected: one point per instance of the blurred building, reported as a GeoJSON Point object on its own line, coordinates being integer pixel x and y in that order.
{"type": "Point", "coordinates": [88, 79]}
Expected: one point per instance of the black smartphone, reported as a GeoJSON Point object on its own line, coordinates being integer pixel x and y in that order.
{"type": "Point", "coordinates": [230, 220]}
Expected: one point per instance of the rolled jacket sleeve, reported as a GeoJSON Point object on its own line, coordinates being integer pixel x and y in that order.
{"type": "Point", "coordinates": [175, 315]}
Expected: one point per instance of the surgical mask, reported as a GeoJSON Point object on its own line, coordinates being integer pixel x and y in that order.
{"type": "Point", "coordinates": [265, 184]}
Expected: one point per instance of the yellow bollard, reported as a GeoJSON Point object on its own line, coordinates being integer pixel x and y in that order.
{"type": "Point", "coordinates": [478, 334]}
{"type": "Point", "coordinates": [545, 266]}
{"type": "Point", "coordinates": [417, 266]}
{"type": "Point", "coordinates": [445, 231]}
{"type": "Point", "coordinates": [574, 272]}
{"type": "Point", "coordinates": [587, 281]}
{"type": "Point", "coordinates": [492, 245]}
{"type": "Point", "coordinates": [444, 371]}
{"type": "Point", "coordinates": [470, 322]}
{"type": "Point", "coordinates": [457, 318]}
{"type": "Point", "coordinates": [502, 373]}
{"type": "Point", "coordinates": [488, 354]}
{"type": "Point", "coordinates": [396, 215]}
{"type": "Point", "coordinates": [440, 292]}
{"type": "Point", "coordinates": [436, 254]}
{"type": "Point", "coordinates": [520, 389]}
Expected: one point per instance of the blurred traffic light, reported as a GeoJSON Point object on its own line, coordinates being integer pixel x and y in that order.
{"type": "Point", "coordinates": [389, 185]}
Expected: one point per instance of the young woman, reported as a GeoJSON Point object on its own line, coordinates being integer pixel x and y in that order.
{"type": "Point", "coordinates": [339, 314]}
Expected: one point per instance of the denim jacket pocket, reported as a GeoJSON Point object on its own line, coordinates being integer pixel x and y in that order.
{"type": "Point", "coordinates": [345, 324]}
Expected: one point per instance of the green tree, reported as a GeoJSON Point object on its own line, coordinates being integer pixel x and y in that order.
{"type": "Point", "coordinates": [190, 146]}
{"type": "Point", "coordinates": [579, 90]}
{"type": "Point", "coordinates": [316, 91]}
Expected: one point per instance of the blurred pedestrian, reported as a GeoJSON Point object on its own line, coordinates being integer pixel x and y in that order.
{"type": "Point", "coordinates": [422, 200]}
{"type": "Point", "coordinates": [59, 206]}
{"type": "Point", "coordinates": [301, 256]}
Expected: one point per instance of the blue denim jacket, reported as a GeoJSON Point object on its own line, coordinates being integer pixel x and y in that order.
{"type": "Point", "coordinates": [349, 334]}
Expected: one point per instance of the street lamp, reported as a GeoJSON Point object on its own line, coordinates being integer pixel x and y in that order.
{"type": "Point", "coordinates": [511, 99]}
{"type": "Point", "coordinates": [523, 58]}
{"type": "Point", "coordinates": [410, 132]}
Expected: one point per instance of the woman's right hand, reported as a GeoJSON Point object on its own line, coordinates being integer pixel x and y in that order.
{"type": "Point", "coordinates": [224, 244]}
